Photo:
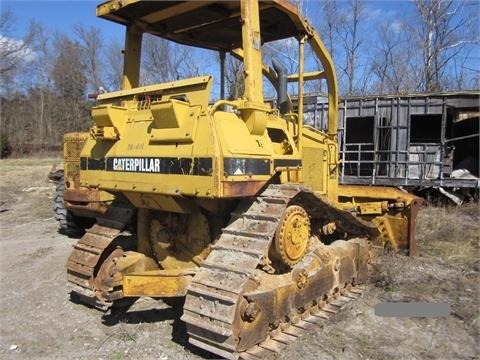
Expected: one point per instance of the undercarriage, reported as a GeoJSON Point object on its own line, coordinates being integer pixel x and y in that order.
{"type": "Point", "coordinates": [270, 273]}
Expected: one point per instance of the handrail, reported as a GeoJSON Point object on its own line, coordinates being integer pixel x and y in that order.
{"type": "Point", "coordinates": [217, 104]}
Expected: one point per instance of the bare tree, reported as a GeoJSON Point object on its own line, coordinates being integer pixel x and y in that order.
{"type": "Point", "coordinates": [40, 89]}
{"type": "Point", "coordinates": [113, 69]}
{"type": "Point", "coordinates": [342, 26]}
{"type": "Point", "coordinates": [391, 64]}
{"type": "Point", "coordinates": [70, 81]}
{"type": "Point", "coordinates": [91, 43]}
{"type": "Point", "coordinates": [465, 76]}
{"type": "Point", "coordinates": [446, 28]}
{"type": "Point", "coordinates": [68, 70]}
{"type": "Point", "coordinates": [234, 78]}
{"type": "Point", "coordinates": [26, 100]}
{"type": "Point", "coordinates": [166, 61]}
{"type": "Point", "coordinates": [330, 25]}
{"type": "Point", "coordinates": [351, 40]}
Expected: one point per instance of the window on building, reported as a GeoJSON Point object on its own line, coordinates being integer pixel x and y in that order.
{"type": "Point", "coordinates": [425, 128]}
{"type": "Point", "coordinates": [359, 147]}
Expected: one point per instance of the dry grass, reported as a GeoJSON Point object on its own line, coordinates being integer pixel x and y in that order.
{"type": "Point", "coordinates": [451, 233]}
{"type": "Point", "coordinates": [18, 174]}
{"type": "Point", "coordinates": [22, 179]}
{"type": "Point", "coordinates": [448, 268]}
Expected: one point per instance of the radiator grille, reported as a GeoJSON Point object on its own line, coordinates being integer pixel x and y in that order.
{"type": "Point", "coordinates": [73, 145]}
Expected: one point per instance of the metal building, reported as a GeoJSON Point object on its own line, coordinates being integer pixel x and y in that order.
{"type": "Point", "coordinates": [420, 140]}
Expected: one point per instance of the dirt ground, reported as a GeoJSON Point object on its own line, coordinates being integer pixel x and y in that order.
{"type": "Point", "coordinates": [38, 321]}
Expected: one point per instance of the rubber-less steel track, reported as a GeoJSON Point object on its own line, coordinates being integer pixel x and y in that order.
{"type": "Point", "coordinates": [211, 300]}
{"type": "Point", "coordinates": [82, 263]}
{"type": "Point", "coordinates": [312, 317]}
{"type": "Point", "coordinates": [89, 253]}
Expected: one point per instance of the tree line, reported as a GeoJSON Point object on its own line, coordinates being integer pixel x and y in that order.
{"type": "Point", "coordinates": [46, 76]}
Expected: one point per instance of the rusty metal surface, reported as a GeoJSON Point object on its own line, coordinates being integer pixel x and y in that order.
{"type": "Point", "coordinates": [242, 188]}
{"type": "Point", "coordinates": [83, 260]}
{"type": "Point", "coordinates": [236, 305]}
{"type": "Point", "coordinates": [90, 210]}
{"type": "Point", "coordinates": [232, 305]}
{"type": "Point", "coordinates": [412, 225]}
{"type": "Point", "coordinates": [375, 192]}
{"type": "Point", "coordinates": [311, 316]}
{"type": "Point", "coordinates": [84, 202]}
{"type": "Point", "coordinates": [93, 254]}
{"type": "Point", "coordinates": [211, 301]}
{"type": "Point", "coordinates": [392, 211]}
{"type": "Point", "coordinates": [73, 144]}
{"type": "Point", "coordinates": [81, 195]}
{"type": "Point", "coordinates": [292, 235]}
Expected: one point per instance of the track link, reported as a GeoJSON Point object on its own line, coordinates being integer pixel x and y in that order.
{"type": "Point", "coordinates": [224, 279]}
{"type": "Point", "coordinates": [211, 300]}
{"type": "Point", "coordinates": [313, 317]}
{"type": "Point", "coordinates": [82, 263]}
{"type": "Point", "coordinates": [90, 251]}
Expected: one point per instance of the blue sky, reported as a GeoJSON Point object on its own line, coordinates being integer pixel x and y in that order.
{"type": "Point", "coordinates": [62, 15]}
{"type": "Point", "coordinates": [57, 15]}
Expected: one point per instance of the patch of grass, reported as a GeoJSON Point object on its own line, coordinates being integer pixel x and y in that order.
{"type": "Point", "coordinates": [9, 164]}
{"type": "Point", "coordinates": [449, 261]}
{"type": "Point", "coordinates": [451, 233]}
{"type": "Point", "coordinates": [117, 355]}
{"type": "Point", "coordinates": [24, 183]}
{"type": "Point", "coordinates": [17, 174]}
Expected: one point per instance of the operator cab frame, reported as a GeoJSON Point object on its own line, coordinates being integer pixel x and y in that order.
{"type": "Point", "coordinates": [238, 31]}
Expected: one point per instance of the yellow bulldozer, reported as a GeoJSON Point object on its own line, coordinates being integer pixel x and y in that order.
{"type": "Point", "coordinates": [233, 205]}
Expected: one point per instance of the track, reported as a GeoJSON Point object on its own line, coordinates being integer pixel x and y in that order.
{"type": "Point", "coordinates": [90, 252]}
{"type": "Point", "coordinates": [211, 300]}
{"type": "Point", "coordinates": [223, 287]}
{"type": "Point", "coordinates": [237, 305]}
{"type": "Point", "coordinates": [82, 263]}
{"type": "Point", "coordinates": [312, 317]}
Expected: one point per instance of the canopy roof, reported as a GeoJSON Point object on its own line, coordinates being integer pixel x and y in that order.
{"type": "Point", "coordinates": [208, 24]}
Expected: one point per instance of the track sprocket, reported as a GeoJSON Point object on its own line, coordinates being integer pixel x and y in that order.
{"type": "Point", "coordinates": [291, 237]}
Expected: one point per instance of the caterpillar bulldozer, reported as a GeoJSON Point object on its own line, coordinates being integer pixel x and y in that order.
{"type": "Point", "coordinates": [235, 204]}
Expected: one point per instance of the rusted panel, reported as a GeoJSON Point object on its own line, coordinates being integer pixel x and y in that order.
{"type": "Point", "coordinates": [84, 258]}
{"type": "Point", "coordinates": [84, 202]}
{"type": "Point", "coordinates": [412, 225]}
{"type": "Point", "coordinates": [93, 241]}
{"type": "Point", "coordinates": [81, 195]}
{"type": "Point", "coordinates": [285, 338]}
{"type": "Point", "coordinates": [278, 301]}
{"type": "Point", "coordinates": [272, 345]}
{"type": "Point", "coordinates": [87, 210]}
{"type": "Point", "coordinates": [371, 208]}
{"type": "Point", "coordinates": [75, 279]}
{"type": "Point", "coordinates": [242, 188]}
